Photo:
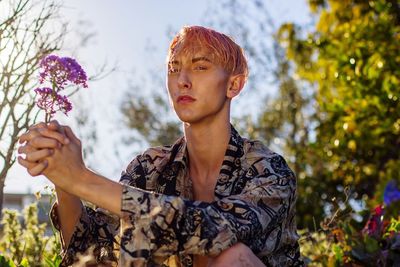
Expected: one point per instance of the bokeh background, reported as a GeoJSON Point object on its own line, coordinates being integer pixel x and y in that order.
{"type": "Point", "coordinates": [323, 91]}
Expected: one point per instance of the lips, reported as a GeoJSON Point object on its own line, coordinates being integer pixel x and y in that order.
{"type": "Point", "coordinates": [185, 99]}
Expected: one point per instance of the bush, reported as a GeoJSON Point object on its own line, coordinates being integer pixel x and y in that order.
{"type": "Point", "coordinates": [25, 244]}
{"type": "Point", "coordinates": [375, 241]}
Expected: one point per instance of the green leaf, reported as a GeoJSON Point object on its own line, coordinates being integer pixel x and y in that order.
{"type": "Point", "coordinates": [4, 261]}
{"type": "Point", "coordinates": [54, 261]}
{"type": "Point", "coordinates": [24, 263]}
{"type": "Point", "coordinates": [338, 253]}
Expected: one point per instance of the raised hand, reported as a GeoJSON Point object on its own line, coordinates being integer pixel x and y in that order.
{"type": "Point", "coordinates": [62, 163]}
{"type": "Point", "coordinates": [57, 155]}
{"type": "Point", "coordinates": [37, 147]}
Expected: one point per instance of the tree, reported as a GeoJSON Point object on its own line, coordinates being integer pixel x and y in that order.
{"type": "Point", "coordinates": [24, 39]}
{"type": "Point", "coordinates": [351, 59]}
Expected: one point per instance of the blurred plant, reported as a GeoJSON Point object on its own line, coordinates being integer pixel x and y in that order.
{"type": "Point", "coordinates": [25, 244]}
{"type": "Point", "coordinates": [59, 72]}
{"type": "Point", "coordinates": [350, 58]}
{"type": "Point", "coordinates": [346, 242]}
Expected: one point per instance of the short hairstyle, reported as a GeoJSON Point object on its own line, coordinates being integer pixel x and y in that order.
{"type": "Point", "coordinates": [223, 50]}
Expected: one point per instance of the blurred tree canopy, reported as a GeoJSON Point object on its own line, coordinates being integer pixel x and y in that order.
{"type": "Point", "coordinates": [335, 115]}
{"type": "Point", "coordinates": [351, 58]}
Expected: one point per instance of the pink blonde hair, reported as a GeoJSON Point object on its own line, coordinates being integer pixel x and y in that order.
{"type": "Point", "coordinates": [223, 50]}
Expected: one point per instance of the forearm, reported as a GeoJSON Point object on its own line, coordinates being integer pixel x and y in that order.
{"type": "Point", "coordinates": [100, 191]}
{"type": "Point", "coordinates": [69, 211]}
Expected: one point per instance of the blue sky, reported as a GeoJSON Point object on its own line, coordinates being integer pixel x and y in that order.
{"type": "Point", "coordinates": [123, 29]}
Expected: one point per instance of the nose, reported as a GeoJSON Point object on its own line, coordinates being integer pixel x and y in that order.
{"type": "Point", "coordinates": [184, 81]}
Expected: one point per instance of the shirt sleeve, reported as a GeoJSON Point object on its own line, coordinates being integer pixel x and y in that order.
{"type": "Point", "coordinates": [93, 240]}
{"type": "Point", "coordinates": [154, 226]}
{"type": "Point", "coordinates": [96, 235]}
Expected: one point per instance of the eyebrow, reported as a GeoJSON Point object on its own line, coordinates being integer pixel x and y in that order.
{"type": "Point", "coordinates": [194, 60]}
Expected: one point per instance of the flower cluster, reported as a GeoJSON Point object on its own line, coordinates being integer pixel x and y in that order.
{"type": "Point", "coordinates": [51, 104]}
{"type": "Point", "coordinates": [375, 241]}
{"type": "Point", "coordinates": [59, 72]}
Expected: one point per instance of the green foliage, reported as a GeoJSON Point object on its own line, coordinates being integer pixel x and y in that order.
{"type": "Point", "coordinates": [26, 244]}
{"type": "Point", "coordinates": [152, 127]}
{"type": "Point", "coordinates": [351, 58]}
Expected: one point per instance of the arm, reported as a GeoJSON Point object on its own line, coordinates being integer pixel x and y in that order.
{"type": "Point", "coordinates": [80, 227]}
{"type": "Point", "coordinates": [208, 228]}
{"type": "Point", "coordinates": [69, 206]}
{"type": "Point", "coordinates": [69, 210]}
{"type": "Point", "coordinates": [64, 166]}
{"type": "Point", "coordinates": [164, 225]}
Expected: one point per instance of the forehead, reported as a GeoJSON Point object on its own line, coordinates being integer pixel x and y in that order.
{"type": "Point", "coordinates": [188, 59]}
{"type": "Point", "coordinates": [192, 55]}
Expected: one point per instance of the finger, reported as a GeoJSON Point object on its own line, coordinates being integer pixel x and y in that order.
{"type": "Point", "coordinates": [38, 125]}
{"type": "Point", "coordinates": [54, 125]}
{"type": "Point", "coordinates": [33, 169]}
{"type": "Point", "coordinates": [41, 142]}
{"type": "Point", "coordinates": [38, 169]}
{"type": "Point", "coordinates": [25, 163]}
{"type": "Point", "coordinates": [70, 134]}
{"type": "Point", "coordinates": [54, 134]}
{"type": "Point", "coordinates": [38, 155]}
{"type": "Point", "coordinates": [26, 137]}
{"type": "Point", "coordinates": [26, 149]}
{"type": "Point", "coordinates": [31, 133]}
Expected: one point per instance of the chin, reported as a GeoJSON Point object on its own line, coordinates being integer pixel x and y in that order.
{"type": "Point", "coordinates": [188, 119]}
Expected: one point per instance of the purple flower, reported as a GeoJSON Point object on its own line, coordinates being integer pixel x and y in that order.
{"type": "Point", "coordinates": [60, 71]}
{"type": "Point", "coordinates": [64, 104]}
{"type": "Point", "coordinates": [52, 102]}
{"type": "Point", "coordinates": [391, 193]}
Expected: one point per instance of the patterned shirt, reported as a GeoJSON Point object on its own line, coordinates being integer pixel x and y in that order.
{"type": "Point", "coordinates": [161, 224]}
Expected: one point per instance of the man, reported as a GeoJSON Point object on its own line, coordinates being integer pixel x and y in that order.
{"type": "Point", "coordinates": [211, 199]}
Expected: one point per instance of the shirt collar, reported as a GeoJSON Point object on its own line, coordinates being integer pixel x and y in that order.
{"type": "Point", "coordinates": [232, 154]}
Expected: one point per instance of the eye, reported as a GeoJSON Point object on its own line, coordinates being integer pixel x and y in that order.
{"type": "Point", "coordinates": [172, 70]}
{"type": "Point", "coordinates": [200, 67]}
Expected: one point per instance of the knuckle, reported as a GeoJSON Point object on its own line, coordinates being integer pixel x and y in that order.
{"type": "Point", "coordinates": [38, 125]}
{"type": "Point", "coordinates": [33, 142]}
{"type": "Point", "coordinates": [51, 142]}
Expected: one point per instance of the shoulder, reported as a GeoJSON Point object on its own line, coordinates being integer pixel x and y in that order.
{"type": "Point", "coordinates": [259, 156]}
{"type": "Point", "coordinates": [158, 153]}
{"type": "Point", "coordinates": [154, 156]}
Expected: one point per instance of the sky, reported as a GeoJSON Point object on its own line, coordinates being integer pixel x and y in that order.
{"type": "Point", "coordinates": [123, 31]}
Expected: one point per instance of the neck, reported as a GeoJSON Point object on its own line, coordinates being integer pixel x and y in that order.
{"type": "Point", "coordinates": [206, 145]}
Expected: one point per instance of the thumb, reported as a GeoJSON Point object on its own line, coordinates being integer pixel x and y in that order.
{"type": "Point", "coordinates": [70, 134]}
{"type": "Point", "coordinates": [55, 126]}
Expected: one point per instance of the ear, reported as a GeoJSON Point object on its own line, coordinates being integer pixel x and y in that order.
{"type": "Point", "coordinates": [235, 85]}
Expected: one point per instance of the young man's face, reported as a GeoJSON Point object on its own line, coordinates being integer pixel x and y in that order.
{"type": "Point", "coordinates": [197, 87]}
